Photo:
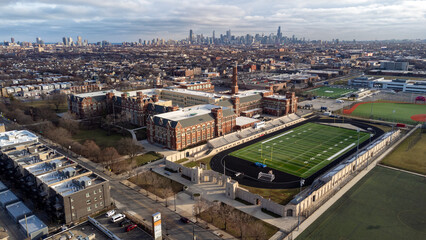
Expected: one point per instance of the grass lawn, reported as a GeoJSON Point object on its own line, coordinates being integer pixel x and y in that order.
{"type": "Point", "coordinates": [147, 157]}
{"type": "Point", "coordinates": [304, 150]}
{"type": "Point", "coordinates": [253, 228]}
{"type": "Point", "coordinates": [280, 196]}
{"type": "Point", "coordinates": [46, 104]}
{"type": "Point", "coordinates": [330, 92]}
{"type": "Point", "coordinates": [181, 160]}
{"type": "Point", "coordinates": [385, 204]}
{"type": "Point", "coordinates": [141, 134]}
{"type": "Point", "coordinates": [384, 111]}
{"type": "Point", "coordinates": [98, 135]}
{"type": "Point", "coordinates": [409, 158]}
{"type": "Point", "coordinates": [197, 163]}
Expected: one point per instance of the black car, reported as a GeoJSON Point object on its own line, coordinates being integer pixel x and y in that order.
{"type": "Point", "coordinates": [125, 223]}
{"type": "Point", "coordinates": [184, 220]}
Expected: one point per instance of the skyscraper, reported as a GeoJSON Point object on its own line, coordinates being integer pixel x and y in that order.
{"type": "Point", "coordinates": [65, 41]}
{"type": "Point", "coordinates": [213, 36]}
{"type": "Point", "coordinates": [279, 34]}
{"type": "Point", "coordinates": [79, 41]}
{"type": "Point", "coordinates": [12, 40]}
{"type": "Point", "coordinates": [191, 36]}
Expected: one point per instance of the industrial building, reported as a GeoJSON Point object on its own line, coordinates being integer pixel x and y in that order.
{"type": "Point", "coordinates": [403, 85]}
{"type": "Point", "coordinates": [66, 190]}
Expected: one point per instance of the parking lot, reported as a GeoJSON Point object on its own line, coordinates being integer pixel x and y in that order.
{"type": "Point", "coordinates": [120, 232]}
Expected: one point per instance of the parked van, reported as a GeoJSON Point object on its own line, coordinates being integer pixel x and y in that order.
{"type": "Point", "coordinates": [117, 217]}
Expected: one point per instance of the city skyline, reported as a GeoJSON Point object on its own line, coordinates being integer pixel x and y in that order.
{"type": "Point", "coordinates": [131, 20]}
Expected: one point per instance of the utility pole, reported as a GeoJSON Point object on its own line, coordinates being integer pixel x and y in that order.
{"type": "Point", "coordinates": [175, 200]}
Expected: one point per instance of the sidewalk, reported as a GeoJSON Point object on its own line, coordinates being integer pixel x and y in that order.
{"type": "Point", "coordinates": [184, 207]}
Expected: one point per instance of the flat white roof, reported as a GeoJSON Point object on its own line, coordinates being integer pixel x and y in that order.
{"type": "Point", "coordinates": [16, 137]}
{"type": "Point", "coordinates": [197, 93]}
{"type": "Point", "coordinates": [188, 112]}
{"type": "Point", "coordinates": [148, 92]}
{"type": "Point", "coordinates": [240, 121]}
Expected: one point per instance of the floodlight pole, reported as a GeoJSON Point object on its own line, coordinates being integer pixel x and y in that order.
{"type": "Point", "coordinates": [357, 150]}
{"type": "Point", "coordinates": [393, 123]}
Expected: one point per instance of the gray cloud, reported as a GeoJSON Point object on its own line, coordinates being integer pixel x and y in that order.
{"type": "Point", "coordinates": [129, 20]}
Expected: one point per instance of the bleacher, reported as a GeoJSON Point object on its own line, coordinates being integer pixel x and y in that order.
{"type": "Point", "coordinates": [236, 136]}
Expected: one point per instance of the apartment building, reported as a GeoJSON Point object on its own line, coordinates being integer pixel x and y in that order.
{"type": "Point", "coordinates": [67, 191]}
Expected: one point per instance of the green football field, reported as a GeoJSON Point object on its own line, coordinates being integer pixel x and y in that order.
{"type": "Point", "coordinates": [330, 92]}
{"type": "Point", "coordinates": [386, 204]}
{"type": "Point", "coordinates": [304, 150]}
{"type": "Point", "coordinates": [384, 111]}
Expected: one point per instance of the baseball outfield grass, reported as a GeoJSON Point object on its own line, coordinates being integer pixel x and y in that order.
{"type": "Point", "coordinates": [386, 204]}
{"type": "Point", "coordinates": [304, 150]}
{"type": "Point", "coordinates": [385, 111]}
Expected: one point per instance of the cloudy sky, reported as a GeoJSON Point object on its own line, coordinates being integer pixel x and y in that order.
{"type": "Point", "coordinates": [129, 20]}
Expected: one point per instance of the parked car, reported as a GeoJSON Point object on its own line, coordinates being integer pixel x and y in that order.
{"type": "Point", "coordinates": [110, 213]}
{"type": "Point", "coordinates": [131, 227]}
{"type": "Point", "coordinates": [117, 217]}
{"type": "Point", "coordinates": [125, 222]}
{"type": "Point", "coordinates": [184, 220]}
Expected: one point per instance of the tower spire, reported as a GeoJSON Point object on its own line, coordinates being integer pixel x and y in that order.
{"type": "Point", "coordinates": [234, 80]}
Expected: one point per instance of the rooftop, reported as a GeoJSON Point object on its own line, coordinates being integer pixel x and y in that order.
{"type": "Point", "coordinates": [71, 186]}
{"type": "Point", "coordinates": [197, 93]}
{"type": "Point", "coordinates": [8, 197]}
{"type": "Point", "coordinates": [32, 223]}
{"type": "Point", "coordinates": [188, 112]}
{"type": "Point", "coordinates": [2, 187]}
{"type": "Point", "coordinates": [18, 209]}
{"type": "Point", "coordinates": [241, 121]}
{"type": "Point", "coordinates": [15, 137]}
{"type": "Point", "coordinates": [48, 166]}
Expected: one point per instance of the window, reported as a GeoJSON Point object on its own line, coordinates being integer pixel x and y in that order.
{"type": "Point", "coordinates": [96, 205]}
{"type": "Point", "coordinates": [72, 199]}
{"type": "Point", "coordinates": [94, 192]}
{"type": "Point", "coordinates": [101, 203]}
{"type": "Point", "coordinates": [89, 209]}
{"type": "Point", "coordinates": [73, 214]}
{"type": "Point", "coordinates": [88, 201]}
{"type": "Point", "coordinates": [72, 207]}
{"type": "Point", "coordinates": [96, 199]}
{"type": "Point", "coordinates": [87, 195]}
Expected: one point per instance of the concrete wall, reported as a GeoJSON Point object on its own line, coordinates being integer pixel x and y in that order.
{"type": "Point", "coordinates": [187, 153]}
{"type": "Point", "coordinates": [233, 191]}
{"type": "Point", "coordinates": [343, 174]}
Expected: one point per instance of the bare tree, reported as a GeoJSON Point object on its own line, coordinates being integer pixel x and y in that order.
{"type": "Point", "coordinates": [92, 150]}
{"type": "Point", "coordinates": [199, 207]}
{"type": "Point", "coordinates": [257, 231]}
{"type": "Point", "coordinates": [167, 192]}
{"type": "Point", "coordinates": [223, 212]}
{"type": "Point", "coordinates": [70, 125]}
{"type": "Point", "coordinates": [108, 155]}
{"type": "Point", "coordinates": [58, 99]}
{"type": "Point", "coordinates": [242, 221]}
{"type": "Point", "coordinates": [128, 146]}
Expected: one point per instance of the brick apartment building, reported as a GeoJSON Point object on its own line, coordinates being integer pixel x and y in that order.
{"type": "Point", "coordinates": [67, 191]}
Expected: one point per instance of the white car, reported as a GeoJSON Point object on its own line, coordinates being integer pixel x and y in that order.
{"type": "Point", "coordinates": [110, 213]}
{"type": "Point", "coordinates": [117, 217]}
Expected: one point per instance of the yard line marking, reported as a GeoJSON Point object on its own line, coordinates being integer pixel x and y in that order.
{"type": "Point", "coordinates": [277, 136]}
{"type": "Point", "coordinates": [339, 152]}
